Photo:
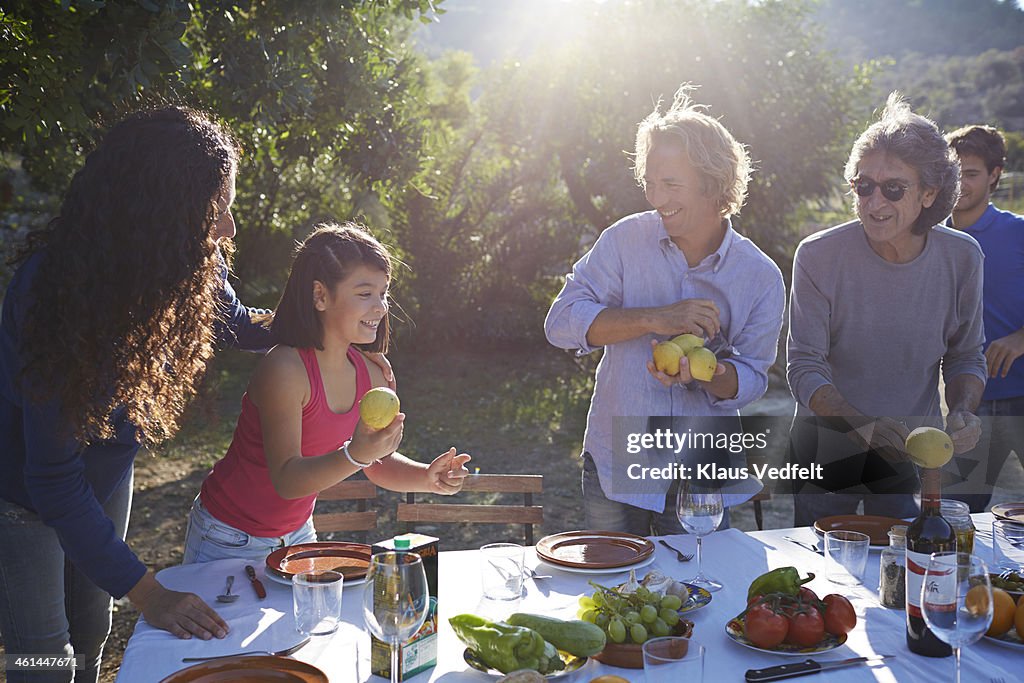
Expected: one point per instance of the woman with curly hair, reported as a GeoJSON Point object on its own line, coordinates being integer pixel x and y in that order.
{"type": "Point", "coordinates": [107, 328]}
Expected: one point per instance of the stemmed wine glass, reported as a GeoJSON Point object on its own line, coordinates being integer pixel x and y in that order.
{"type": "Point", "coordinates": [956, 600]}
{"type": "Point", "coordinates": [699, 508]}
{"type": "Point", "coordinates": [396, 600]}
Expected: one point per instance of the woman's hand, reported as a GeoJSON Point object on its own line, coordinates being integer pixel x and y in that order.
{"type": "Point", "coordinates": [447, 473]}
{"type": "Point", "coordinates": [182, 614]}
{"type": "Point", "coordinates": [381, 361]}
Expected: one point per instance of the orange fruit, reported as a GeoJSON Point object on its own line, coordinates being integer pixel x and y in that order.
{"type": "Point", "coordinates": [1003, 613]}
{"type": "Point", "coordinates": [1018, 620]}
{"type": "Point", "coordinates": [977, 600]}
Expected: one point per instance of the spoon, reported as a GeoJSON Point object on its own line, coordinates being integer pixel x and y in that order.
{"type": "Point", "coordinates": [228, 597]}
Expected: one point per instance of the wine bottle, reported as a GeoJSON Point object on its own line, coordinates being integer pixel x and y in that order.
{"type": "Point", "coordinates": [928, 533]}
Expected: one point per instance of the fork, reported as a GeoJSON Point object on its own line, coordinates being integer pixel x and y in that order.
{"type": "Point", "coordinates": [280, 653]}
{"type": "Point", "coordinates": [680, 555]}
{"type": "Point", "coordinates": [531, 573]}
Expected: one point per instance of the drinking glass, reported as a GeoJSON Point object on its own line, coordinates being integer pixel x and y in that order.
{"type": "Point", "coordinates": [396, 600]}
{"type": "Point", "coordinates": [316, 601]}
{"type": "Point", "coordinates": [846, 556]}
{"type": "Point", "coordinates": [699, 508]}
{"type": "Point", "coordinates": [956, 600]}
{"type": "Point", "coordinates": [672, 659]}
{"type": "Point", "coordinates": [1008, 545]}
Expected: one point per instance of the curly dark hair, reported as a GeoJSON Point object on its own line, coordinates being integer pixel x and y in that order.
{"type": "Point", "coordinates": [126, 294]}
{"type": "Point", "coordinates": [328, 255]}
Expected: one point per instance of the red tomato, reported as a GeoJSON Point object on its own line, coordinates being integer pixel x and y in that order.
{"type": "Point", "coordinates": [753, 599]}
{"type": "Point", "coordinates": [765, 628]}
{"type": "Point", "coordinates": [807, 595]}
{"type": "Point", "coordinates": [806, 628]}
{"type": "Point", "coordinates": [839, 615]}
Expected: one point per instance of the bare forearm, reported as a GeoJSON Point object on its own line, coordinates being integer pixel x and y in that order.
{"type": "Point", "coordinates": [301, 477]}
{"type": "Point", "coordinates": [615, 325]}
{"type": "Point", "coordinates": [963, 393]}
{"type": "Point", "coordinates": [828, 402]}
{"type": "Point", "coordinates": [399, 473]}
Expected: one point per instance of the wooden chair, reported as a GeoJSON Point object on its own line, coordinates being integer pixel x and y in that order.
{"type": "Point", "coordinates": [361, 519]}
{"type": "Point", "coordinates": [763, 495]}
{"type": "Point", "coordinates": [527, 514]}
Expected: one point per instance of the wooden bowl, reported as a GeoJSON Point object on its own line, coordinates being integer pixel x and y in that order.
{"type": "Point", "coordinates": [631, 655]}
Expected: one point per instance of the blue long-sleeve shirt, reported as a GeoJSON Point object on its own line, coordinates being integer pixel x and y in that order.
{"type": "Point", "coordinates": [53, 475]}
{"type": "Point", "coordinates": [635, 264]}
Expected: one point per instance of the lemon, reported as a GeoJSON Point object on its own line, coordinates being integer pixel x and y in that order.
{"type": "Point", "coordinates": [702, 363]}
{"type": "Point", "coordinates": [666, 357]}
{"type": "Point", "coordinates": [929, 447]}
{"type": "Point", "coordinates": [687, 342]}
{"type": "Point", "coordinates": [379, 407]}
{"type": "Point", "coordinates": [1003, 612]}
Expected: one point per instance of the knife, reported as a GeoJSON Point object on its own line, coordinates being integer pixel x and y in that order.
{"type": "Point", "coordinates": [261, 592]}
{"type": "Point", "coordinates": [806, 668]}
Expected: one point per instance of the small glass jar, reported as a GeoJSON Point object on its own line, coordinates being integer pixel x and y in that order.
{"type": "Point", "coordinates": [958, 514]}
{"type": "Point", "coordinates": [892, 580]}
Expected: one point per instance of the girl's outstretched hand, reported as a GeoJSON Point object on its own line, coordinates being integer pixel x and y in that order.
{"type": "Point", "coordinates": [447, 473]}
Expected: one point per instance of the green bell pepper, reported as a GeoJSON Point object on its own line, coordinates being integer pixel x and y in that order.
{"type": "Point", "coordinates": [782, 580]}
{"type": "Point", "coordinates": [499, 645]}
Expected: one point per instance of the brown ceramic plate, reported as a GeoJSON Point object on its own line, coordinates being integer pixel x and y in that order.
{"type": "Point", "coordinates": [631, 655]}
{"type": "Point", "coordinates": [1011, 511]}
{"type": "Point", "coordinates": [594, 549]}
{"type": "Point", "coordinates": [874, 526]}
{"type": "Point", "coordinates": [350, 559]}
{"type": "Point", "coordinates": [251, 668]}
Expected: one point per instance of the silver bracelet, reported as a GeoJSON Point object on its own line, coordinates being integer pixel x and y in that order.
{"type": "Point", "coordinates": [362, 466]}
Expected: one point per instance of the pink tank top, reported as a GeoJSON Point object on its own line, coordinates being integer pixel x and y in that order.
{"type": "Point", "coordinates": [239, 492]}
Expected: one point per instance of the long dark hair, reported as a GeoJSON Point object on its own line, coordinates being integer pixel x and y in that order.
{"type": "Point", "coordinates": [126, 292]}
{"type": "Point", "coordinates": [328, 256]}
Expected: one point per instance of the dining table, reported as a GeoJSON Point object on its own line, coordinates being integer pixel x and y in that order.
{"type": "Point", "coordinates": [732, 556]}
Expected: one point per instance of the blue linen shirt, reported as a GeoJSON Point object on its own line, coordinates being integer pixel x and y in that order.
{"type": "Point", "coordinates": [635, 264]}
{"type": "Point", "coordinates": [1001, 236]}
{"type": "Point", "coordinates": [56, 477]}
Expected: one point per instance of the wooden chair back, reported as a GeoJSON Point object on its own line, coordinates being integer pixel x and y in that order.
{"type": "Point", "coordinates": [363, 518]}
{"type": "Point", "coordinates": [527, 514]}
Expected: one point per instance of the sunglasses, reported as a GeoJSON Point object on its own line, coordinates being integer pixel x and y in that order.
{"type": "Point", "coordinates": [891, 189]}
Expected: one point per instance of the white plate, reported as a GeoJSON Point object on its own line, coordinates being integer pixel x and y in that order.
{"type": "Point", "coordinates": [1009, 639]}
{"type": "Point", "coordinates": [612, 570]}
{"type": "Point", "coordinates": [288, 582]}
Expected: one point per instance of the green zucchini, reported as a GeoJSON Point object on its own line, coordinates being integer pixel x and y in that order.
{"type": "Point", "coordinates": [576, 637]}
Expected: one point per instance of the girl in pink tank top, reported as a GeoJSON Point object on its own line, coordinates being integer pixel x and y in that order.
{"type": "Point", "coordinates": [299, 431]}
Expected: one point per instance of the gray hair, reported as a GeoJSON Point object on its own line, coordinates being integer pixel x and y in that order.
{"type": "Point", "coordinates": [916, 141]}
{"type": "Point", "coordinates": [721, 161]}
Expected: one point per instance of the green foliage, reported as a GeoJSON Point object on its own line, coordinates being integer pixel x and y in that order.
{"type": "Point", "coordinates": [1014, 151]}
{"type": "Point", "coordinates": [955, 91]}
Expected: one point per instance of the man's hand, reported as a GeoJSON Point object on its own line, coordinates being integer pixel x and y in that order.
{"type": "Point", "coordinates": [964, 429]}
{"type": "Point", "coordinates": [684, 376]}
{"type": "Point", "coordinates": [885, 436]}
{"type": "Point", "coordinates": [447, 473]}
{"type": "Point", "coordinates": [1001, 353]}
{"type": "Point", "coordinates": [182, 614]}
{"type": "Point", "coordinates": [696, 316]}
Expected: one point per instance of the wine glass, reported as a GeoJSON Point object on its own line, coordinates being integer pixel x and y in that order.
{"type": "Point", "coordinates": [396, 600]}
{"type": "Point", "coordinates": [956, 600]}
{"type": "Point", "coordinates": [699, 508]}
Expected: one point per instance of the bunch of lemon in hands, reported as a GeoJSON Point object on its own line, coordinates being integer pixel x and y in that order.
{"type": "Point", "coordinates": [702, 361]}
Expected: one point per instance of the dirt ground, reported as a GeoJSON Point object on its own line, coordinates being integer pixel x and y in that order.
{"type": "Point", "coordinates": [503, 408]}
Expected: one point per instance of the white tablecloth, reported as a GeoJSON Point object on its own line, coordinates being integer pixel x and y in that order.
{"type": "Point", "coordinates": [732, 556]}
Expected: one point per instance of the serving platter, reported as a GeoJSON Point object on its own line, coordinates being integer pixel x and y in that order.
{"type": "Point", "coordinates": [351, 560]}
{"type": "Point", "coordinates": [249, 668]}
{"type": "Point", "coordinates": [594, 549]}
{"type": "Point", "coordinates": [735, 630]}
{"type": "Point", "coordinates": [572, 665]}
{"type": "Point", "coordinates": [875, 526]}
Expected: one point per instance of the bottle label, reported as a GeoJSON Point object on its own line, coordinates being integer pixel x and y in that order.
{"type": "Point", "coordinates": [917, 565]}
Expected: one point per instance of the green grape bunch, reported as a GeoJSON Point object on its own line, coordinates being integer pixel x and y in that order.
{"type": "Point", "coordinates": [630, 617]}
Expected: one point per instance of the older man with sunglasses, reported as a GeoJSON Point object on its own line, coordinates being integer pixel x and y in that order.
{"type": "Point", "coordinates": [879, 306]}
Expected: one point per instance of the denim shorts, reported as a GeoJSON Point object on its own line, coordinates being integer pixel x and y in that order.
{"type": "Point", "coordinates": [208, 539]}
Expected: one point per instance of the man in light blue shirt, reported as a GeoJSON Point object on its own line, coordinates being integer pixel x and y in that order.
{"type": "Point", "coordinates": [649, 277]}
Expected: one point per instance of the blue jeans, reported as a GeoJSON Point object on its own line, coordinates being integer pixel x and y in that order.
{"type": "Point", "coordinates": [207, 539]}
{"type": "Point", "coordinates": [608, 515]}
{"type": "Point", "coordinates": [972, 476]}
{"type": "Point", "coordinates": [47, 606]}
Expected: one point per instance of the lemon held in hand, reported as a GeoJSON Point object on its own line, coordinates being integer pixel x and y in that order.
{"type": "Point", "coordinates": [666, 357]}
{"type": "Point", "coordinates": [702, 363]}
{"type": "Point", "coordinates": [929, 447]}
{"type": "Point", "coordinates": [687, 342]}
{"type": "Point", "coordinates": [378, 407]}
